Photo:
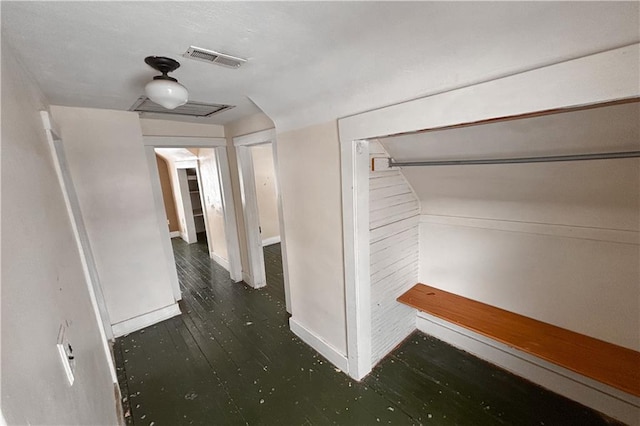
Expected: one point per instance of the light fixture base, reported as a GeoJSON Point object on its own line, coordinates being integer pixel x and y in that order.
{"type": "Point", "coordinates": [164, 77]}
{"type": "Point", "coordinates": [162, 64]}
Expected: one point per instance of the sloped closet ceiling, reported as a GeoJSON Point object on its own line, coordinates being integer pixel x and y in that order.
{"type": "Point", "coordinates": [584, 193]}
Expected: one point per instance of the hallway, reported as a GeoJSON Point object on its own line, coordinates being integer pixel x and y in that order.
{"type": "Point", "coordinates": [230, 358]}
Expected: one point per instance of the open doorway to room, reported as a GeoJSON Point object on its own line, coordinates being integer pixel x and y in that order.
{"type": "Point", "coordinates": [183, 194]}
{"type": "Point", "coordinates": [192, 190]}
{"type": "Point", "coordinates": [257, 165]}
{"type": "Point", "coordinates": [194, 202]}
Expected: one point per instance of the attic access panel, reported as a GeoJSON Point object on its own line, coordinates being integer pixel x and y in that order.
{"type": "Point", "coordinates": [190, 109]}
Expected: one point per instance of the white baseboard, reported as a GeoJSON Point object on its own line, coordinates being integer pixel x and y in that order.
{"type": "Point", "coordinates": [220, 260]}
{"type": "Point", "coordinates": [325, 349]}
{"type": "Point", "coordinates": [145, 320]}
{"type": "Point", "coordinates": [272, 240]}
{"type": "Point", "coordinates": [600, 397]}
{"type": "Point", "coordinates": [174, 234]}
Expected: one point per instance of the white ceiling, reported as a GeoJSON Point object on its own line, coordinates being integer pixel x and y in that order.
{"type": "Point", "coordinates": [309, 62]}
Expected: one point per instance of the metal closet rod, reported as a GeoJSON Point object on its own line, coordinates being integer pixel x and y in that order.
{"type": "Point", "coordinates": [545, 159]}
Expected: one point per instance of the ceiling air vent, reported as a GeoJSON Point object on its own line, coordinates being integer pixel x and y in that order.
{"type": "Point", "coordinates": [212, 57]}
{"type": "Point", "coordinates": [191, 109]}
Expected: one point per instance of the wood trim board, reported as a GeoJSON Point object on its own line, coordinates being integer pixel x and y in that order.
{"type": "Point", "coordinates": [137, 323]}
{"type": "Point", "coordinates": [316, 342]}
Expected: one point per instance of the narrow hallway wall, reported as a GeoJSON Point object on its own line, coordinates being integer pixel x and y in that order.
{"type": "Point", "coordinates": [108, 165]}
{"type": "Point", "coordinates": [43, 285]}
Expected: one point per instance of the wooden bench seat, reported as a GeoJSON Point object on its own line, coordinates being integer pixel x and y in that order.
{"type": "Point", "coordinates": [614, 365]}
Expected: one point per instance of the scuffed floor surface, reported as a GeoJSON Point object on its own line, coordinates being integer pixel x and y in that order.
{"type": "Point", "coordinates": [230, 358]}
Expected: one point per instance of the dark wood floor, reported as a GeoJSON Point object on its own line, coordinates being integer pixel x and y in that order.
{"type": "Point", "coordinates": [230, 358]}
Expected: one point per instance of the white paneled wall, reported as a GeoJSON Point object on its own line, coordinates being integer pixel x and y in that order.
{"type": "Point", "coordinates": [394, 234]}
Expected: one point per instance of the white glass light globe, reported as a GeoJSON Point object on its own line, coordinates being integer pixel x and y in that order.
{"type": "Point", "coordinates": [167, 93]}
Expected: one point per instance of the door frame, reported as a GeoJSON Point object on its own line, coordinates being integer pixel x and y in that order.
{"type": "Point", "coordinates": [81, 237]}
{"type": "Point", "coordinates": [256, 276]}
{"type": "Point", "coordinates": [228, 208]}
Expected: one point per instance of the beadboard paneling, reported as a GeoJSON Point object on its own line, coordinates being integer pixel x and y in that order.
{"type": "Point", "coordinates": [394, 255]}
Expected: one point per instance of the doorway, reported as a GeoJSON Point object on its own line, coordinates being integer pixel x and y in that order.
{"type": "Point", "coordinates": [201, 185]}
{"type": "Point", "coordinates": [183, 194]}
{"type": "Point", "coordinates": [261, 204]}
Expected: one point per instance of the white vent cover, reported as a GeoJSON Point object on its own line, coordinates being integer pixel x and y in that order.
{"type": "Point", "coordinates": [204, 55]}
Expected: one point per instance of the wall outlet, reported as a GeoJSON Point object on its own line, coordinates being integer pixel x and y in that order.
{"type": "Point", "coordinates": [66, 354]}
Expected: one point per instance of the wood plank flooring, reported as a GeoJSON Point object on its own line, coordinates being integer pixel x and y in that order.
{"type": "Point", "coordinates": [230, 358]}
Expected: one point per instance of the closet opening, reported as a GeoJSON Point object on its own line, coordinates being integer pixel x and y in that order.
{"type": "Point", "coordinates": [534, 215]}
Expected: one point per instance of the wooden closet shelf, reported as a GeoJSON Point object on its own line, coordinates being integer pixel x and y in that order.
{"type": "Point", "coordinates": [605, 362]}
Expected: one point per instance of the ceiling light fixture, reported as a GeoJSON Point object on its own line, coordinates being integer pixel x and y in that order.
{"type": "Point", "coordinates": [165, 90]}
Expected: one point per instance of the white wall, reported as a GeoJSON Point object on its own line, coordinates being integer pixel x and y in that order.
{"type": "Point", "coordinates": [394, 210]}
{"type": "Point", "coordinates": [212, 196]}
{"type": "Point", "coordinates": [266, 192]}
{"type": "Point", "coordinates": [108, 165]}
{"type": "Point", "coordinates": [42, 279]}
{"type": "Point", "coordinates": [308, 160]}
